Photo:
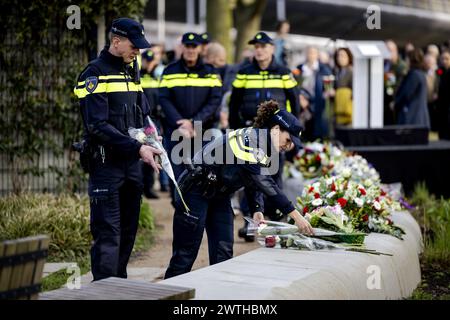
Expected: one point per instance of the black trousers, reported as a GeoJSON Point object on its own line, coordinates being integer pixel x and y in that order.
{"type": "Point", "coordinates": [215, 215]}
{"type": "Point", "coordinates": [115, 190]}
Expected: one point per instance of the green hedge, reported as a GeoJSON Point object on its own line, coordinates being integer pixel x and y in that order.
{"type": "Point", "coordinates": [64, 217]}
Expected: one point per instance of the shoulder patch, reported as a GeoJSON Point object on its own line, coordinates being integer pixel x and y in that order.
{"type": "Point", "coordinates": [91, 84]}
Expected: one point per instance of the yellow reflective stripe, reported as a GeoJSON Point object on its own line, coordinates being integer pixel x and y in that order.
{"type": "Point", "coordinates": [288, 84]}
{"type": "Point", "coordinates": [288, 106]}
{"type": "Point", "coordinates": [240, 76]}
{"type": "Point", "coordinates": [239, 152]}
{"type": "Point", "coordinates": [149, 82]}
{"type": "Point", "coordinates": [190, 82]}
{"type": "Point", "coordinates": [237, 83]}
{"type": "Point", "coordinates": [110, 77]}
{"type": "Point", "coordinates": [269, 83]}
{"type": "Point", "coordinates": [109, 88]}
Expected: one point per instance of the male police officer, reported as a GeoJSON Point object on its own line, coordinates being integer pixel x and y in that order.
{"type": "Point", "coordinates": [190, 90]}
{"type": "Point", "coordinates": [111, 101]}
{"type": "Point", "coordinates": [261, 80]}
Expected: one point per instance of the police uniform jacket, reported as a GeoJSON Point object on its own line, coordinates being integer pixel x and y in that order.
{"type": "Point", "coordinates": [111, 101]}
{"type": "Point", "coordinates": [253, 86]}
{"type": "Point", "coordinates": [189, 93]}
{"type": "Point", "coordinates": [239, 159]}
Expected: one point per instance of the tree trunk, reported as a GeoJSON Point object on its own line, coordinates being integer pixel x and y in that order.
{"type": "Point", "coordinates": [219, 23]}
{"type": "Point", "coordinates": [248, 21]}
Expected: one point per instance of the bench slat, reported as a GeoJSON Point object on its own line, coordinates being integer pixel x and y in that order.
{"type": "Point", "coordinates": [121, 289]}
{"type": "Point", "coordinates": [5, 277]}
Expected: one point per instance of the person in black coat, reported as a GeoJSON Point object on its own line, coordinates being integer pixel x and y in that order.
{"type": "Point", "coordinates": [411, 98]}
{"type": "Point", "coordinates": [443, 101]}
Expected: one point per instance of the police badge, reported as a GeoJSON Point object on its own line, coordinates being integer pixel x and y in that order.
{"type": "Point", "coordinates": [91, 84]}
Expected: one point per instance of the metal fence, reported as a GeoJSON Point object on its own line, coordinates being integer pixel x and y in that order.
{"type": "Point", "coordinates": [35, 85]}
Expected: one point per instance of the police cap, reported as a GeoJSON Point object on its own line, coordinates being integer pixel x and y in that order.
{"type": "Point", "coordinates": [132, 30]}
{"type": "Point", "coordinates": [191, 38]}
{"type": "Point", "coordinates": [261, 37]}
{"type": "Point", "coordinates": [289, 123]}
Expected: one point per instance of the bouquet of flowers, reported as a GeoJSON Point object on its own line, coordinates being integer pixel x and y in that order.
{"type": "Point", "coordinates": [273, 234]}
{"type": "Point", "coordinates": [357, 201]}
{"type": "Point", "coordinates": [149, 136]}
{"type": "Point", "coordinates": [317, 159]}
{"type": "Point", "coordinates": [358, 169]}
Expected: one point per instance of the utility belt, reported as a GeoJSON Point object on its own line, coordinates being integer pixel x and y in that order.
{"type": "Point", "coordinates": [89, 152]}
{"type": "Point", "coordinates": [201, 178]}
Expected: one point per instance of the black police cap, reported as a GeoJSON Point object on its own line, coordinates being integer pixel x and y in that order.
{"type": "Point", "coordinates": [288, 122]}
{"type": "Point", "coordinates": [132, 30]}
{"type": "Point", "coordinates": [261, 37]}
{"type": "Point", "coordinates": [205, 38]}
{"type": "Point", "coordinates": [191, 38]}
{"type": "Point", "coordinates": [148, 55]}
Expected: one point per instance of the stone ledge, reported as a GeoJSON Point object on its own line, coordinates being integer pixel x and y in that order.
{"type": "Point", "coordinates": [292, 274]}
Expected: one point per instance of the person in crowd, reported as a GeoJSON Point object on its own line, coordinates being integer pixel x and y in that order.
{"type": "Point", "coordinates": [395, 69]}
{"type": "Point", "coordinates": [189, 91]}
{"type": "Point", "coordinates": [411, 98]}
{"type": "Point", "coordinates": [343, 74]}
{"type": "Point", "coordinates": [443, 101]}
{"type": "Point", "coordinates": [432, 88]}
{"type": "Point", "coordinates": [281, 42]}
{"type": "Point", "coordinates": [312, 74]}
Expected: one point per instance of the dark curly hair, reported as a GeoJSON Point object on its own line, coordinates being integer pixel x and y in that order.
{"type": "Point", "coordinates": [264, 114]}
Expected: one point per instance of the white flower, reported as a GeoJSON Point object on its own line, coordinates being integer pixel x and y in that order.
{"type": "Point", "coordinates": [311, 169]}
{"type": "Point", "coordinates": [329, 181]}
{"type": "Point", "coordinates": [359, 202]}
{"type": "Point", "coordinates": [316, 186]}
{"type": "Point", "coordinates": [346, 173]}
{"type": "Point", "coordinates": [368, 182]}
{"type": "Point", "coordinates": [317, 202]}
{"type": "Point", "coordinates": [331, 194]}
{"type": "Point", "coordinates": [377, 205]}
{"type": "Point", "coordinates": [140, 136]}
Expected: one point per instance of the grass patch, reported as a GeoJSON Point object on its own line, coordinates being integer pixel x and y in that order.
{"type": "Point", "coordinates": [65, 218]}
{"type": "Point", "coordinates": [433, 216]}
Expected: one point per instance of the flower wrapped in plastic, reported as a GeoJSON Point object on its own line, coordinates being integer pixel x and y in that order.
{"type": "Point", "coordinates": [149, 136]}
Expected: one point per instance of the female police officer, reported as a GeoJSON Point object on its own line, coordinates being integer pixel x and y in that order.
{"type": "Point", "coordinates": [245, 157]}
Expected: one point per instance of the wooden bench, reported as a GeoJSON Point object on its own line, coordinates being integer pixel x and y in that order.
{"type": "Point", "coordinates": [121, 289]}
{"type": "Point", "coordinates": [21, 265]}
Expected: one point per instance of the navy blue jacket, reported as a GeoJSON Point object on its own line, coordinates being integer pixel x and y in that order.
{"type": "Point", "coordinates": [189, 93]}
{"type": "Point", "coordinates": [111, 101]}
{"type": "Point", "coordinates": [238, 160]}
{"type": "Point", "coordinates": [253, 86]}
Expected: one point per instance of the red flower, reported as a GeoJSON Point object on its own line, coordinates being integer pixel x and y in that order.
{"type": "Point", "coordinates": [311, 189]}
{"type": "Point", "coordinates": [316, 195]}
{"type": "Point", "coordinates": [342, 202]}
{"type": "Point", "coordinates": [270, 241]}
{"type": "Point", "coordinates": [440, 72]}
{"type": "Point", "coordinates": [305, 210]}
{"type": "Point", "coordinates": [318, 158]}
{"type": "Point", "coordinates": [363, 192]}
{"type": "Point", "coordinates": [383, 193]}
{"type": "Point", "coordinates": [333, 187]}
{"type": "Point", "coordinates": [365, 217]}
{"type": "Point", "coordinates": [377, 199]}
{"type": "Point", "coordinates": [389, 221]}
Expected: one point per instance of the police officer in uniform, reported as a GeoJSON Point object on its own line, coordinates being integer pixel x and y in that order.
{"type": "Point", "coordinates": [223, 166]}
{"type": "Point", "coordinates": [261, 80]}
{"type": "Point", "coordinates": [189, 91]}
{"type": "Point", "coordinates": [111, 101]}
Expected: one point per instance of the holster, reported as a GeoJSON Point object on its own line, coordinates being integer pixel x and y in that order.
{"type": "Point", "coordinates": [201, 178]}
